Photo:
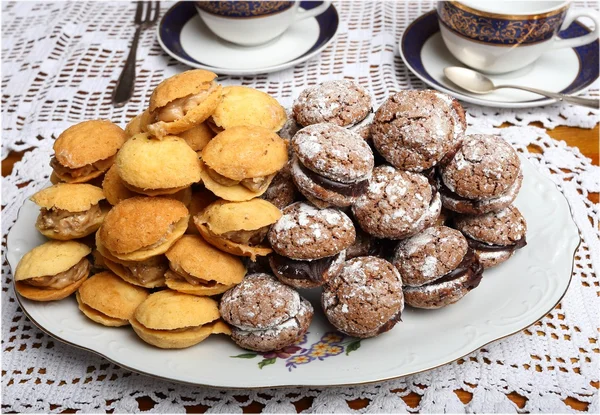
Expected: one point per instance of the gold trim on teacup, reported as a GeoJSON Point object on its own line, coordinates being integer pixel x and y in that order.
{"type": "Point", "coordinates": [481, 13]}
{"type": "Point", "coordinates": [483, 42]}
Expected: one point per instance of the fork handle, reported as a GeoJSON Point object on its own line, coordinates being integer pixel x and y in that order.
{"type": "Point", "coordinates": [124, 88]}
{"type": "Point", "coordinates": [585, 102]}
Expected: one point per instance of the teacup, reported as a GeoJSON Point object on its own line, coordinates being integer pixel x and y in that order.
{"type": "Point", "coordinates": [252, 23]}
{"type": "Point", "coordinates": [503, 36]}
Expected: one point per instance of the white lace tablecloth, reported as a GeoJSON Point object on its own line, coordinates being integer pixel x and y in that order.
{"type": "Point", "coordinates": [60, 62]}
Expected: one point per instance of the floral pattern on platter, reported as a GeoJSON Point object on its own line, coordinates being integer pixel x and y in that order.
{"type": "Point", "coordinates": [499, 31]}
{"type": "Point", "coordinates": [330, 344]}
{"type": "Point", "coordinates": [243, 9]}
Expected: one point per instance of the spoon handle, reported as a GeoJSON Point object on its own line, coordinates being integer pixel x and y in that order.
{"type": "Point", "coordinates": [586, 102]}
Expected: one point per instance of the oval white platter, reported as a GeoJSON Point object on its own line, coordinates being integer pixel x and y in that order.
{"type": "Point", "coordinates": [510, 298]}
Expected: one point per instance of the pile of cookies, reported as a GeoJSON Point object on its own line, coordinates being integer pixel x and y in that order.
{"type": "Point", "coordinates": [212, 207]}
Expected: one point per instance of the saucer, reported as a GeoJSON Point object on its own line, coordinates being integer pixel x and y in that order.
{"type": "Point", "coordinates": [184, 36]}
{"type": "Point", "coordinates": [567, 71]}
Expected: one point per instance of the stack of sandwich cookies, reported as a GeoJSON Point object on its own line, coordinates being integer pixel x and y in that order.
{"type": "Point", "coordinates": [52, 271]}
{"type": "Point", "coordinates": [183, 102]}
{"type": "Point", "coordinates": [240, 162]}
{"type": "Point", "coordinates": [265, 314]}
{"type": "Point", "coordinates": [86, 150]}
{"type": "Point", "coordinates": [69, 211]}
{"type": "Point", "coordinates": [494, 236]}
{"type": "Point", "coordinates": [437, 266]}
{"type": "Point", "coordinates": [238, 227]}
{"type": "Point", "coordinates": [332, 165]}
{"type": "Point", "coordinates": [196, 267]}
{"type": "Point", "coordinates": [397, 204]}
{"type": "Point", "coordinates": [365, 299]}
{"type": "Point", "coordinates": [414, 130]}
{"type": "Point", "coordinates": [173, 320]}
{"type": "Point", "coordinates": [309, 244]}
{"type": "Point", "coordinates": [483, 176]}
{"type": "Point", "coordinates": [108, 300]}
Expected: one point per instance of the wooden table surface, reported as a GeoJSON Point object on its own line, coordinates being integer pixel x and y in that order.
{"type": "Point", "coordinates": [588, 143]}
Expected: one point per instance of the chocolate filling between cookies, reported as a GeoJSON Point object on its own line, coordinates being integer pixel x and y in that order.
{"type": "Point", "coordinates": [302, 270]}
{"type": "Point", "coordinates": [390, 323]}
{"type": "Point", "coordinates": [346, 189]}
{"type": "Point", "coordinates": [468, 265]}
{"type": "Point", "coordinates": [483, 246]}
{"type": "Point", "coordinates": [62, 279]}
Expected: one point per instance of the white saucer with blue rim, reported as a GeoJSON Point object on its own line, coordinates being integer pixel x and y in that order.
{"type": "Point", "coordinates": [184, 36]}
{"type": "Point", "coordinates": [567, 71]}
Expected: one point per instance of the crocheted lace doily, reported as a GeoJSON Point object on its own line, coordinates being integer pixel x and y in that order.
{"type": "Point", "coordinates": [60, 62]}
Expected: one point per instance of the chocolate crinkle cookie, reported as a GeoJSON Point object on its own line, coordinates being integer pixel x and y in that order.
{"type": "Point", "coordinates": [494, 236]}
{"type": "Point", "coordinates": [415, 130]}
{"type": "Point", "coordinates": [265, 314]}
{"type": "Point", "coordinates": [365, 299]}
{"type": "Point", "coordinates": [331, 164]}
{"type": "Point", "coordinates": [309, 244]}
{"type": "Point", "coordinates": [397, 204]}
{"type": "Point", "coordinates": [483, 176]}
{"type": "Point", "coordinates": [438, 267]}
{"type": "Point", "coordinates": [341, 102]}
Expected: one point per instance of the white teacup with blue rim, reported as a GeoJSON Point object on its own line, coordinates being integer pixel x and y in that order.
{"type": "Point", "coordinates": [503, 36]}
{"type": "Point", "coordinates": [252, 23]}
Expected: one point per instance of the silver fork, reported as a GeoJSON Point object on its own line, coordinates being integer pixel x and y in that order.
{"type": "Point", "coordinates": [124, 88]}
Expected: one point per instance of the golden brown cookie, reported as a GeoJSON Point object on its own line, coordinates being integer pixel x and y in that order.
{"type": "Point", "coordinates": [241, 105]}
{"type": "Point", "coordinates": [197, 137]}
{"type": "Point", "coordinates": [196, 267]}
{"type": "Point", "coordinates": [240, 162]}
{"type": "Point", "coordinates": [172, 320]}
{"type": "Point", "coordinates": [156, 167]}
{"type": "Point", "coordinates": [108, 300]}
{"type": "Point", "coordinates": [115, 191]}
{"type": "Point", "coordinates": [86, 150]}
{"type": "Point", "coordinates": [52, 271]}
{"type": "Point", "coordinates": [238, 227]}
{"type": "Point", "coordinates": [69, 211]}
{"type": "Point", "coordinates": [182, 102]}
{"type": "Point", "coordinates": [142, 227]}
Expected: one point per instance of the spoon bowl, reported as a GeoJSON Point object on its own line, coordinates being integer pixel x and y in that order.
{"type": "Point", "coordinates": [469, 79]}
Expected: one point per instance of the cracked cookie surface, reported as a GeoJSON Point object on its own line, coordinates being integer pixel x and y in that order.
{"type": "Point", "coordinates": [365, 299]}
{"type": "Point", "coordinates": [484, 167]}
{"type": "Point", "coordinates": [341, 102]}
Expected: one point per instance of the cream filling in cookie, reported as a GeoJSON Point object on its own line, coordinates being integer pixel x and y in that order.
{"type": "Point", "coordinates": [63, 171]}
{"type": "Point", "coordinates": [175, 272]}
{"type": "Point", "coordinates": [67, 223]}
{"type": "Point", "coordinates": [250, 237]}
{"type": "Point", "coordinates": [178, 108]}
{"type": "Point", "coordinates": [62, 279]}
{"type": "Point", "coordinates": [146, 271]}
{"type": "Point", "coordinates": [254, 184]}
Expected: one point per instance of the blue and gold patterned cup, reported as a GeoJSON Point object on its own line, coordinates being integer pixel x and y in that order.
{"type": "Point", "coordinates": [503, 36]}
{"type": "Point", "coordinates": [251, 23]}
